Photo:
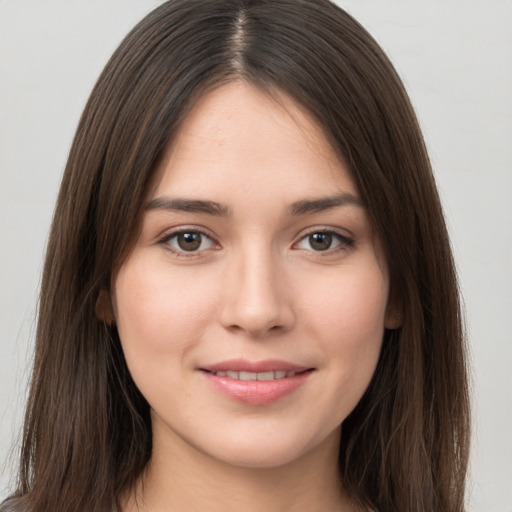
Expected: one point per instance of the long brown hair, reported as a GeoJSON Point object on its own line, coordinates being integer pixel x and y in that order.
{"type": "Point", "coordinates": [87, 433]}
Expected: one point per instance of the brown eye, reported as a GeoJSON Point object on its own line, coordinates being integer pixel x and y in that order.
{"type": "Point", "coordinates": [188, 242]}
{"type": "Point", "coordinates": [323, 241]}
{"type": "Point", "coordinates": [320, 241]}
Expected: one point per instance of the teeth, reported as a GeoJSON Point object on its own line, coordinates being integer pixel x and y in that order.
{"type": "Point", "coordinates": [248, 376]}
{"type": "Point", "coordinates": [278, 374]}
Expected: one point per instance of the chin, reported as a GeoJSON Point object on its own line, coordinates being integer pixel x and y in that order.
{"type": "Point", "coordinates": [272, 450]}
{"type": "Point", "coordinates": [257, 458]}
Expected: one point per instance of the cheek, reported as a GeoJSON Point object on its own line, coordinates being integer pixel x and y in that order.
{"type": "Point", "coordinates": [352, 331]}
{"type": "Point", "coordinates": [349, 301]}
{"type": "Point", "coordinates": [160, 311]}
{"type": "Point", "coordinates": [348, 319]}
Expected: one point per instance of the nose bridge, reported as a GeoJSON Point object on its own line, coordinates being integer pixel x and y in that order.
{"type": "Point", "coordinates": [256, 298]}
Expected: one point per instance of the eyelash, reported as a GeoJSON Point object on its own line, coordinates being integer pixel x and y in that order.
{"type": "Point", "coordinates": [345, 242]}
{"type": "Point", "coordinates": [165, 241]}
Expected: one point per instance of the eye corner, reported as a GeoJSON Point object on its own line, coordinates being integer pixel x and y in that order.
{"type": "Point", "coordinates": [194, 242]}
{"type": "Point", "coordinates": [324, 241]}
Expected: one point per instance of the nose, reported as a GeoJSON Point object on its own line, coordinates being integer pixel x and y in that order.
{"type": "Point", "coordinates": [256, 298]}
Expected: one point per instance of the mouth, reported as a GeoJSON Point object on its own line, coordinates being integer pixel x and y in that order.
{"type": "Point", "coordinates": [256, 383]}
{"type": "Point", "coordinates": [259, 376]}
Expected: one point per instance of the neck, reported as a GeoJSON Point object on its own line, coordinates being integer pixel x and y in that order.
{"type": "Point", "coordinates": [179, 477]}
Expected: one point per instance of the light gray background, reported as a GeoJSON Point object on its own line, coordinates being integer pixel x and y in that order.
{"type": "Point", "coordinates": [455, 57]}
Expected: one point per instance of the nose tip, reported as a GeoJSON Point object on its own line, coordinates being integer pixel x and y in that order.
{"type": "Point", "coordinates": [257, 302]}
{"type": "Point", "coordinates": [256, 322]}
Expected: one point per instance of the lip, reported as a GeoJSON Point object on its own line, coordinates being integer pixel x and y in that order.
{"type": "Point", "coordinates": [243, 365]}
{"type": "Point", "coordinates": [255, 392]}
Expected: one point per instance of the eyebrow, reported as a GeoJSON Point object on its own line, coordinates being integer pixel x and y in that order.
{"type": "Point", "coordinates": [301, 207]}
{"type": "Point", "coordinates": [188, 205]}
{"type": "Point", "coordinates": [321, 204]}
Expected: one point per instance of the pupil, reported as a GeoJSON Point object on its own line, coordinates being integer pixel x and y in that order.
{"type": "Point", "coordinates": [320, 241]}
{"type": "Point", "coordinates": [189, 241]}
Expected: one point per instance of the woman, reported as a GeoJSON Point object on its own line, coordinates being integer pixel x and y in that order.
{"type": "Point", "coordinates": [249, 298]}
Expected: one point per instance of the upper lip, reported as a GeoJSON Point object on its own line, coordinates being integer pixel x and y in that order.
{"type": "Point", "coordinates": [243, 365]}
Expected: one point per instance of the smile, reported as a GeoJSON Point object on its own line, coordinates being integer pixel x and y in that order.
{"type": "Point", "coordinates": [256, 383]}
{"type": "Point", "coordinates": [261, 376]}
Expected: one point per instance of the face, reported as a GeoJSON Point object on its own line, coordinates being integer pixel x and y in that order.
{"type": "Point", "coordinates": [251, 310]}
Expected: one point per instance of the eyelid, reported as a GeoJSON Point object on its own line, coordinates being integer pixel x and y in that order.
{"type": "Point", "coordinates": [346, 241]}
{"type": "Point", "coordinates": [169, 235]}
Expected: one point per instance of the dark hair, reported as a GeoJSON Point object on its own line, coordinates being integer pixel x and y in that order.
{"type": "Point", "coordinates": [87, 434]}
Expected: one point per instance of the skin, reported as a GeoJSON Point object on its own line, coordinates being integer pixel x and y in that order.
{"type": "Point", "coordinates": [257, 288]}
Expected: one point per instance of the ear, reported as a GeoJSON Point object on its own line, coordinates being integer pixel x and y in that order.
{"type": "Point", "coordinates": [104, 309]}
{"type": "Point", "coordinates": [394, 314]}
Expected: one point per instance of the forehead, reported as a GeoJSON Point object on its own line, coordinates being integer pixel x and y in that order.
{"type": "Point", "coordinates": [239, 136]}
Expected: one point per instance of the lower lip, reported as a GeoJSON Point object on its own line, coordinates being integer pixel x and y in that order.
{"type": "Point", "coordinates": [257, 392]}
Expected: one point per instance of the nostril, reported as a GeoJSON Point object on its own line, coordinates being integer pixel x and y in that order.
{"type": "Point", "coordinates": [255, 313]}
